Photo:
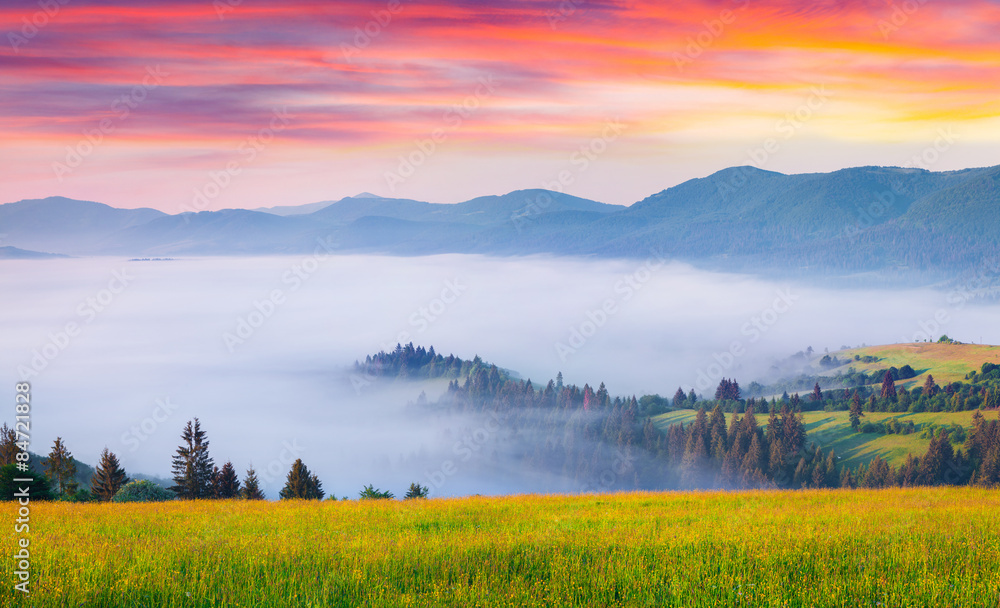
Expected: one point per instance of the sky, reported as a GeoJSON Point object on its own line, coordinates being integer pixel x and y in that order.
{"type": "Point", "coordinates": [189, 106]}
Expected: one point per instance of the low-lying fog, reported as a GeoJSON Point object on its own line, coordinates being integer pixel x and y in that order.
{"type": "Point", "coordinates": [121, 354]}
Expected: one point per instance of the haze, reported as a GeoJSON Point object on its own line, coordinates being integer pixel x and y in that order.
{"type": "Point", "coordinates": [260, 348]}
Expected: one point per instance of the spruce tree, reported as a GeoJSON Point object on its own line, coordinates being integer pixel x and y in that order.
{"type": "Point", "coordinates": [192, 466]}
{"type": "Point", "coordinates": [679, 398]}
{"type": "Point", "coordinates": [108, 477]}
{"type": "Point", "coordinates": [8, 445]}
{"type": "Point", "coordinates": [302, 484]}
{"type": "Point", "coordinates": [225, 482]}
{"type": "Point", "coordinates": [888, 387]}
{"type": "Point", "coordinates": [251, 486]}
{"type": "Point", "coordinates": [417, 491]}
{"type": "Point", "coordinates": [856, 413]}
{"type": "Point", "coordinates": [61, 469]}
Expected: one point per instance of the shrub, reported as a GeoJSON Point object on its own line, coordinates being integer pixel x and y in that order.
{"type": "Point", "coordinates": [417, 491]}
{"type": "Point", "coordinates": [371, 492]}
{"type": "Point", "coordinates": [142, 490]}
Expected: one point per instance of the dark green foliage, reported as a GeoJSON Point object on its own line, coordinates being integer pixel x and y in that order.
{"type": "Point", "coordinates": [416, 491]}
{"type": "Point", "coordinates": [8, 445]}
{"type": "Point", "coordinates": [225, 482]}
{"type": "Point", "coordinates": [142, 490]}
{"type": "Point", "coordinates": [370, 492]}
{"type": "Point", "coordinates": [109, 477]}
{"type": "Point", "coordinates": [192, 466]}
{"type": "Point", "coordinates": [61, 469]}
{"type": "Point", "coordinates": [39, 488]}
{"type": "Point", "coordinates": [251, 486]}
{"type": "Point", "coordinates": [301, 484]}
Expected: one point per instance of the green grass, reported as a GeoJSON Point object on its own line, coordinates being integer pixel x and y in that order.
{"type": "Point", "coordinates": [833, 430]}
{"type": "Point", "coordinates": [946, 362]}
{"type": "Point", "coordinates": [899, 547]}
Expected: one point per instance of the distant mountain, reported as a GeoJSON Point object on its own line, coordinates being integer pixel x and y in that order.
{"type": "Point", "coordinates": [65, 225]}
{"type": "Point", "coordinates": [13, 253]}
{"type": "Point", "coordinates": [884, 220]}
{"type": "Point", "coordinates": [294, 209]}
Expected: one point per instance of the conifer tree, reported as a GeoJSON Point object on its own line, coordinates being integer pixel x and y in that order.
{"type": "Point", "coordinates": [817, 394]}
{"type": "Point", "coordinates": [251, 486]}
{"type": "Point", "coordinates": [856, 413]}
{"type": "Point", "coordinates": [679, 398]}
{"type": "Point", "coordinates": [108, 477]}
{"type": "Point", "coordinates": [61, 469]}
{"type": "Point", "coordinates": [8, 445]}
{"type": "Point", "coordinates": [225, 482]}
{"type": "Point", "coordinates": [888, 387]}
{"type": "Point", "coordinates": [192, 465]}
{"type": "Point", "coordinates": [301, 484]}
{"type": "Point", "coordinates": [930, 387]}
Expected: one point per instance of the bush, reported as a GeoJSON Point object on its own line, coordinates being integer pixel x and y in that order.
{"type": "Point", "coordinates": [371, 492]}
{"type": "Point", "coordinates": [38, 489]}
{"type": "Point", "coordinates": [142, 490]}
{"type": "Point", "coordinates": [417, 491]}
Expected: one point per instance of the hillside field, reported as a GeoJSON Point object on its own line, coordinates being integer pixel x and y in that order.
{"type": "Point", "coordinates": [946, 362]}
{"type": "Point", "coordinates": [900, 547]}
{"type": "Point", "coordinates": [833, 430]}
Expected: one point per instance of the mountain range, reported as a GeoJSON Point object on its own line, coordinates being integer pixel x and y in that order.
{"type": "Point", "coordinates": [859, 220]}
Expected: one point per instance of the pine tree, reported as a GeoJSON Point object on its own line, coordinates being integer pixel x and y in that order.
{"type": "Point", "coordinates": [251, 486]}
{"type": "Point", "coordinates": [817, 394]}
{"type": "Point", "coordinates": [888, 387]}
{"type": "Point", "coordinates": [108, 477]}
{"type": "Point", "coordinates": [192, 466]}
{"type": "Point", "coordinates": [301, 484]}
{"type": "Point", "coordinates": [225, 482]}
{"type": "Point", "coordinates": [679, 398]}
{"type": "Point", "coordinates": [819, 473]}
{"type": "Point", "coordinates": [417, 491]}
{"type": "Point", "coordinates": [930, 388]}
{"type": "Point", "coordinates": [61, 469]}
{"type": "Point", "coordinates": [8, 445]}
{"type": "Point", "coordinates": [856, 412]}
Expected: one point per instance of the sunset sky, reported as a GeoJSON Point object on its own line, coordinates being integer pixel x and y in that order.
{"type": "Point", "coordinates": [202, 105]}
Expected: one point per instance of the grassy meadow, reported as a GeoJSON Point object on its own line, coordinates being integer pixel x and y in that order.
{"type": "Point", "coordinates": [899, 547]}
{"type": "Point", "coordinates": [946, 362]}
{"type": "Point", "coordinates": [833, 430]}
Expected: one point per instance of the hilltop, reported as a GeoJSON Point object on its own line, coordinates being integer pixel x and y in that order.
{"type": "Point", "coordinates": [872, 224]}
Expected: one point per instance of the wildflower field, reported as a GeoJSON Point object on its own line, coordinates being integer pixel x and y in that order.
{"type": "Point", "coordinates": [885, 548]}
